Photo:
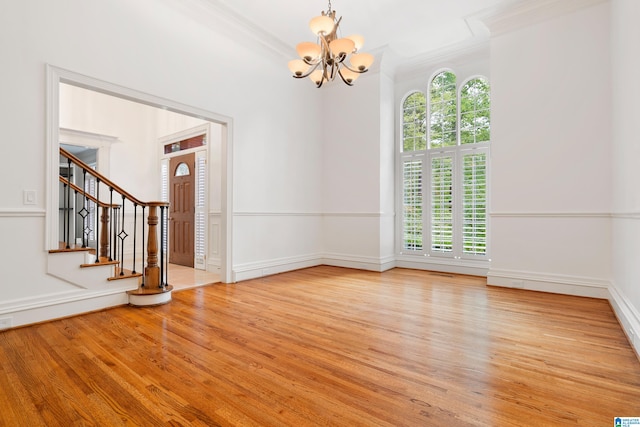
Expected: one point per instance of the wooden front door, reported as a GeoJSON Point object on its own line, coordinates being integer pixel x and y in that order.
{"type": "Point", "coordinates": [182, 183]}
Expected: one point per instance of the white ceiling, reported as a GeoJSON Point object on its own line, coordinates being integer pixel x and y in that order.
{"type": "Point", "coordinates": [408, 27]}
{"type": "Point", "coordinates": [411, 30]}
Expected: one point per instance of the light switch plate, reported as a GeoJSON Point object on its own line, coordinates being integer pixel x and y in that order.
{"type": "Point", "coordinates": [29, 197]}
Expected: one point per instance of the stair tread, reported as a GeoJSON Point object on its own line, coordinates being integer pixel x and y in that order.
{"type": "Point", "coordinates": [62, 247]}
{"type": "Point", "coordinates": [151, 291]}
{"type": "Point", "coordinates": [101, 261]}
{"type": "Point", "coordinates": [125, 274]}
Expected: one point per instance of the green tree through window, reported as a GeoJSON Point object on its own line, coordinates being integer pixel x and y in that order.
{"type": "Point", "coordinates": [414, 123]}
{"type": "Point", "coordinates": [474, 112]}
{"type": "Point", "coordinates": [443, 118]}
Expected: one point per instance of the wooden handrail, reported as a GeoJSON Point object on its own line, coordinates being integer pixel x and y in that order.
{"type": "Point", "coordinates": [108, 182]}
{"type": "Point", "coordinates": [87, 195]}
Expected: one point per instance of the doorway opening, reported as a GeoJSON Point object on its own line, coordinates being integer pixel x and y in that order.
{"type": "Point", "coordinates": [190, 162]}
{"type": "Point", "coordinates": [57, 77]}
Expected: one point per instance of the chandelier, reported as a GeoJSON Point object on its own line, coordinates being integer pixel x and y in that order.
{"type": "Point", "coordinates": [330, 56]}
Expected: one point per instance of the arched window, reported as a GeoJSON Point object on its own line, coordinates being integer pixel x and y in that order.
{"type": "Point", "coordinates": [443, 117]}
{"type": "Point", "coordinates": [414, 122]}
{"type": "Point", "coordinates": [474, 112]}
{"type": "Point", "coordinates": [444, 172]}
{"type": "Point", "coordinates": [183, 170]}
{"type": "Point", "coordinates": [414, 138]}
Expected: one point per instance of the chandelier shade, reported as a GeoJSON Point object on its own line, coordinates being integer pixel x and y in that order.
{"type": "Point", "coordinates": [330, 56]}
{"type": "Point", "coordinates": [357, 39]}
{"type": "Point", "coordinates": [341, 47]}
{"type": "Point", "coordinates": [309, 51]}
{"type": "Point", "coordinates": [321, 25]}
{"type": "Point", "coordinates": [298, 67]}
{"type": "Point", "coordinates": [361, 61]}
{"type": "Point", "coordinates": [349, 76]}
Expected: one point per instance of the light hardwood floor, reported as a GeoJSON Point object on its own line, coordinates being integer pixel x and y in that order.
{"type": "Point", "coordinates": [182, 278]}
{"type": "Point", "coordinates": [327, 346]}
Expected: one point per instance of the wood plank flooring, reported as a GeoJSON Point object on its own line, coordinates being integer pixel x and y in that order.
{"type": "Point", "coordinates": [181, 277]}
{"type": "Point", "coordinates": [327, 346]}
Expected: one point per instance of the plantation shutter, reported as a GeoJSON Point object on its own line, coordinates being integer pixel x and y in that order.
{"type": "Point", "coordinates": [164, 196]}
{"type": "Point", "coordinates": [200, 211]}
{"type": "Point", "coordinates": [412, 205]}
{"type": "Point", "coordinates": [474, 206]}
{"type": "Point", "coordinates": [442, 203]}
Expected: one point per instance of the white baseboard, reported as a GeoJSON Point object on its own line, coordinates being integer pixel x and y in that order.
{"type": "Point", "coordinates": [359, 262]}
{"type": "Point", "coordinates": [558, 284]}
{"type": "Point", "coordinates": [267, 268]}
{"type": "Point", "coordinates": [260, 269]}
{"type": "Point", "coordinates": [28, 311]}
{"type": "Point", "coordinates": [628, 317]}
{"type": "Point", "coordinates": [472, 268]}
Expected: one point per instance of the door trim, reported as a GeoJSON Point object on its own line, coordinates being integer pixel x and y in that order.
{"type": "Point", "coordinates": [198, 151]}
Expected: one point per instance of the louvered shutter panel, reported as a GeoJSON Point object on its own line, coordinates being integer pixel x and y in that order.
{"type": "Point", "coordinates": [200, 212]}
{"type": "Point", "coordinates": [442, 204]}
{"type": "Point", "coordinates": [474, 209]}
{"type": "Point", "coordinates": [164, 196]}
{"type": "Point", "coordinates": [412, 205]}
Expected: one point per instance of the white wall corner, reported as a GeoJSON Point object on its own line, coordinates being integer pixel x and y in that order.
{"type": "Point", "coordinates": [627, 315]}
{"type": "Point", "coordinates": [359, 262]}
{"type": "Point", "coordinates": [261, 269]}
{"type": "Point", "coordinates": [255, 270]}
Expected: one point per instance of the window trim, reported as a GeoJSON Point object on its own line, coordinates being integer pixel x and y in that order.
{"type": "Point", "coordinates": [457, 255]}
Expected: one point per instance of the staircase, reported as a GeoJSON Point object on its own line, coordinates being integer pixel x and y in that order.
{"type": "Point", "coordinates": [101, 247]}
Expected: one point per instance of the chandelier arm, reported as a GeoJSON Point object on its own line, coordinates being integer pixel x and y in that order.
{"type": "Point", "coordinates": [325, 46]}
{"type": "Point", "coordinates": [344, 64]}
{"type": "Point", "coordinates": [331, 70]}
{"type": "Point", "coordinates": [308, 73]}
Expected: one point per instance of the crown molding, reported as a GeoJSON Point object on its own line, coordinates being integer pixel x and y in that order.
{"type": "Point", "coordinates": [215, 14]}
{"type": "Point", "coordinates": [75, 135]}
{"type": "Point", "coordinates": [522, 13]}
{"type": "Point", "coordinates": [453, 56]}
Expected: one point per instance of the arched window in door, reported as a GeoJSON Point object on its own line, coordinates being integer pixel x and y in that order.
{"type": "Point", "coordinates": [182, 170]}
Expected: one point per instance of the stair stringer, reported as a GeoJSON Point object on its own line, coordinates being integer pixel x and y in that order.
{"type": "Point", "coordinates": [92, 291]}
{"type": "Point", "coordinates": [66, 266]}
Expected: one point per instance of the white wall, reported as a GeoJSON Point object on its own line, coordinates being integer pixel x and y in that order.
{"type": "Point", "coordinates": [625, 289]}
{"type": "Point", "coordinates": [358, 177]}
{"type": "Point", "coordinates": [152, 46]}
{"type": "Point", "coordinates": [551, 120]}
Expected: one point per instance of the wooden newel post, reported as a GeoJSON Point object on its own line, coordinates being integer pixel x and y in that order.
{"type": "Point", "coordinates": [152, 271]}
